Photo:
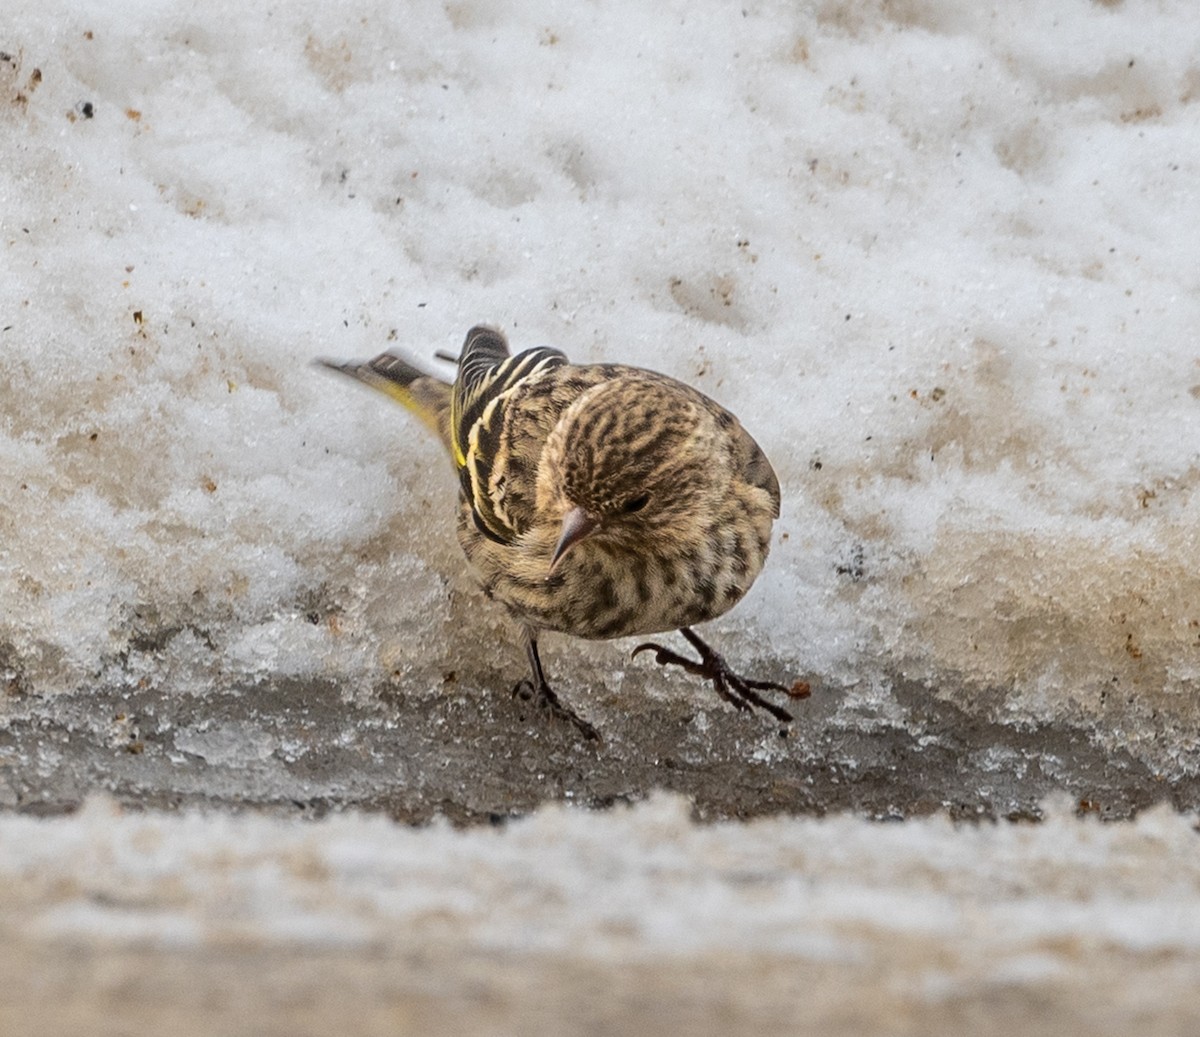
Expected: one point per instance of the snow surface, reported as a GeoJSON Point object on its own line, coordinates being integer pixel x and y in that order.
{"type": "Point", "coordinates": [644, 880]}
{"type": "Point", "coordinates": [848, 926]}
{"type": "Point", "coordinates": [941, 257]}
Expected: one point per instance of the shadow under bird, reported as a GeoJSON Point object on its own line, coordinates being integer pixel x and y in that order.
{"type": "Point", "coordinates": [598, 500]}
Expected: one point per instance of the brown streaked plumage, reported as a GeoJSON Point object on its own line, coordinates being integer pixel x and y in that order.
{"type": "Point", "coordinates": [597, 500]}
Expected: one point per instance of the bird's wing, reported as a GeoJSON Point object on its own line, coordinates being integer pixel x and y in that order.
{"type": "Point", "coordinates": [488, 379]}
{"type": "Point", "coordinates": [747, 456]}
{"type": "Point", "coordinates": [755, 467]}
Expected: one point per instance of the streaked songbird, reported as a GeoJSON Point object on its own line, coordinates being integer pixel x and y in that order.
{"type": "Point", "coordinates": [598, 500]}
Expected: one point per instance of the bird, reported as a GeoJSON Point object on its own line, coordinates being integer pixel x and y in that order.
{"type": "Point", "coordinates": [596, 500]}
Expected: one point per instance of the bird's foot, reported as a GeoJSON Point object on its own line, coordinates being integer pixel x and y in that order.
{"type": "Point", "coordinates": [544, 697]}
{"type": "Point", "coordinates": [742, 692]}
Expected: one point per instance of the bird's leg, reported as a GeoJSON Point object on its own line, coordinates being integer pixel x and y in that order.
{"type": "Point", "coordinates": [740, 691]}
{"type": "Point", "coordinates": [539, 688]}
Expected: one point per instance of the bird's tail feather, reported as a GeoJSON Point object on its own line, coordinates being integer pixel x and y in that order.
{"type": "Point", "coordinates": [426, 395]}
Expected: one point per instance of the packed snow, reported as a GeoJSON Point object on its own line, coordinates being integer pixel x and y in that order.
{"type": "Point", "coordinates": [940, 258]}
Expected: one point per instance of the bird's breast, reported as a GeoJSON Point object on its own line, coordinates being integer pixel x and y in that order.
{"type": "Point", "coordinates": [610, 588]}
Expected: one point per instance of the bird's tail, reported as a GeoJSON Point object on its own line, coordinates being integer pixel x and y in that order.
{"type": "Point", "coordinates": [426, 395]}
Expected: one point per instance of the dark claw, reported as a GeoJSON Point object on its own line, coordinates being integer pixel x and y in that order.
{"type": "Point", "coordinates": [545, 698]}
{"type": "Point", "coordinates": [538, 690]}
{"type": "Point", "coordinates": [741, 692]}
{"type": "Point", "coordinates": [665, 657]}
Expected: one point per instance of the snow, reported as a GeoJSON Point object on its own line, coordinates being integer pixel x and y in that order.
{"type": "Point", "coordinates": [949, 911]}
{"type": "Point", "coordinates": [940, 257]}
{"type": "Point", "coordinates": [933, 250]}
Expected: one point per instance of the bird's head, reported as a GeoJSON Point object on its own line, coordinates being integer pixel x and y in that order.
{"type": "Point", "coordinates": [633, 459]}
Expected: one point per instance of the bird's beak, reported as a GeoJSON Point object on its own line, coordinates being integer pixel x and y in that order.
{"type": "Point", "coordinates": [576, 524]}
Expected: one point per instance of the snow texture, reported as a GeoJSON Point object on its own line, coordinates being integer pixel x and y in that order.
{"type": "Point", "coordinates": [940, 257]}
{"type": "Point", "coordinates": [572, 922]}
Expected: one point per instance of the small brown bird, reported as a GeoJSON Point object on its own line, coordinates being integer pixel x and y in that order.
{"type": "Point", "coordinates": [597, 500]}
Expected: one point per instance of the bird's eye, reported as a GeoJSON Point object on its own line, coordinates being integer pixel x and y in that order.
{"type": "Point", "coordinates": [636, 504]}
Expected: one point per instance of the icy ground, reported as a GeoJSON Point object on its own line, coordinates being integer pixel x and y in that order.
{"type": "Point", "coordinates": [940, 256]}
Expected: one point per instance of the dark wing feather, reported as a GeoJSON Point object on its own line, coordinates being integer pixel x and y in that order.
{"type": "Point", "coordinates": [486, 374]}
{"type": "Point", "coordinates": [755, 467]}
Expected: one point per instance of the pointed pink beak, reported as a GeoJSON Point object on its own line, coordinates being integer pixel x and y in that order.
{"type": "Point", "coordinates": [576, 524]}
